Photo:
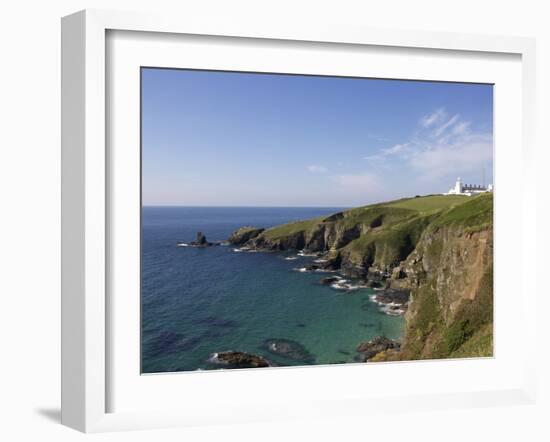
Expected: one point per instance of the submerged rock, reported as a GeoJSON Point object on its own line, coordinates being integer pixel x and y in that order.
{"type": "Point", "coordinates": [377, 345]}
{"type": "Point", "coordinates": [391, 296]}
{"type": "Point", "coordinates": [239, 359]}
{"type": "Point", "coordinates": [329, 280]}
{"type": "Point", "coordinates": [312, 267]}
{"type": "Point", "coordinates": [289, 349]}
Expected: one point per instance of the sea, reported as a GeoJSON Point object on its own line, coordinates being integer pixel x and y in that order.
{"type": "Point", "coordinates": [196, 302]}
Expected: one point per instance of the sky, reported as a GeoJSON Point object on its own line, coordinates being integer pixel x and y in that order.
{"type": "Point", "coordinates": [245, 139]}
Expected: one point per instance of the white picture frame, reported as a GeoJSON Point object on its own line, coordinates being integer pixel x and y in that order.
{"type": "Point", "coordinates": [86, 205]}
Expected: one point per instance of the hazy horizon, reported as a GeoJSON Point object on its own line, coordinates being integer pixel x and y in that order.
{"type": "Point", "coordinates": [219, 139]}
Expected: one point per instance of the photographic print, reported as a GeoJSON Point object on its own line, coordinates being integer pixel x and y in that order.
{"type": "Point", "coordinates": [295, 220]}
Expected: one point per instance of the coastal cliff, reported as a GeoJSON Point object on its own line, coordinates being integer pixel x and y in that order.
{"type": "Point", "coordinates": [437, 249]}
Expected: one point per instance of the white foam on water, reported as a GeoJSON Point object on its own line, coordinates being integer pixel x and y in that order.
{"type": "Point", "coordinates": [345, 284]}
{"type": "Point", "coordinates": [214, 358]}
{"type": "Point", "coordinates": [182, 244]}
{"type": "Point", "coordinates": [302, 253]}
{"type": "Point", "coordinates": [341, 284]}
{"type": "Point", "coordinates": [355, 287]}
{"type": "Point", "coordinates": [389, 308]}
{"type": "Point", "coordinates": [244, 249]}
{"type": "Point", "coordinates": [392, 312]}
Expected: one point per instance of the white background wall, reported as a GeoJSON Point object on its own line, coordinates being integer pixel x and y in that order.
{"type": "Point", "coordinates": [30, 220]}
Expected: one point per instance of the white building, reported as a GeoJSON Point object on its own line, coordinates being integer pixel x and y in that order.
{"type": "Point", "coordinates": [468, 189]}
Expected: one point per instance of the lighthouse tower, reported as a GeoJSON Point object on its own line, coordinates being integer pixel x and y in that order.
{"type": "Point", "coordinates": [457, 189]}
{"type": "Point", "coordinates": [458, 186]}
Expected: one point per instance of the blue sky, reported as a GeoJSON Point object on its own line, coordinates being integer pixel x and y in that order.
{"type": "Point", "coordinates": [240, 139]}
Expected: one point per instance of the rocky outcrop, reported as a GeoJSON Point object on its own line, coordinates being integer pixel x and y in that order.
{"type": "Point", "coordinates": [321, 237]}
{"type": "Point", "coordinates": [391, 301]}
{"type": "Point", "coordinates": [392, 296]}
{"type": "Point", "coordinates": [368, 350]}
{"type": "Point", "coordinates": [244, 234]}
{"type": "Point", "coordinates": [360, 243]}
{"type": "Point", "coordinates": [239, 359]}
{"type": "Point", "coordinates": [295, 241]}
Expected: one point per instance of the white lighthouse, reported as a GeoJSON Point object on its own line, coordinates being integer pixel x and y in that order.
{"type": "Point", "coordinates": [457, 190]}
{"type": "Point", "coordinates": [468, 189]}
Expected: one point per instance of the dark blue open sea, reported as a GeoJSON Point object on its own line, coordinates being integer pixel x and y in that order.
{"type": "Point", "coordinates": [199, 301]}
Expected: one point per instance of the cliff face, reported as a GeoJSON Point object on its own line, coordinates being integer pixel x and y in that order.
{"type": "Point", "coordinates": [358, 241]}
{"type": "Point", "coordinates": [439, 248]}
{"type": "Point", "coordinates": [450, 313]}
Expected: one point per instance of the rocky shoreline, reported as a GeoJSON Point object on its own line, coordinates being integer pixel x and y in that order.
{"type": "Point", "coordinates": [393, 302]}
{"type": "Point", "coordinates": [294, 352]}
{"type": "Point", "coordinates": [368, 350]}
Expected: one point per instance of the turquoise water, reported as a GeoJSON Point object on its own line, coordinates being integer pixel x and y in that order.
{"type": "Point", "coordinates": [196, 302]}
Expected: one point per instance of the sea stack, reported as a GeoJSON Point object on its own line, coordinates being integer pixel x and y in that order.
{"type": "Point", "coordinates": [200, 241]}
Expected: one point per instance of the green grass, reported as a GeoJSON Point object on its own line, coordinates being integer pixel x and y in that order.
{"type": "Point", "coordinates": [372, 215]}
{"type": "Point", "coordinates": [285, 230]}
{"type": "Point", "coordinates": [477, 211]}
{"type": "Point", "coordinates": [392, 243]}
{"type": "Point", "coordinates": [478, 346]}
{"type": "Point", "coordinates": [400, 222]}
{"type": "Point", "coordinates": [430, 203]}
{"type": "Point", "coordinates": [362, 215]}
